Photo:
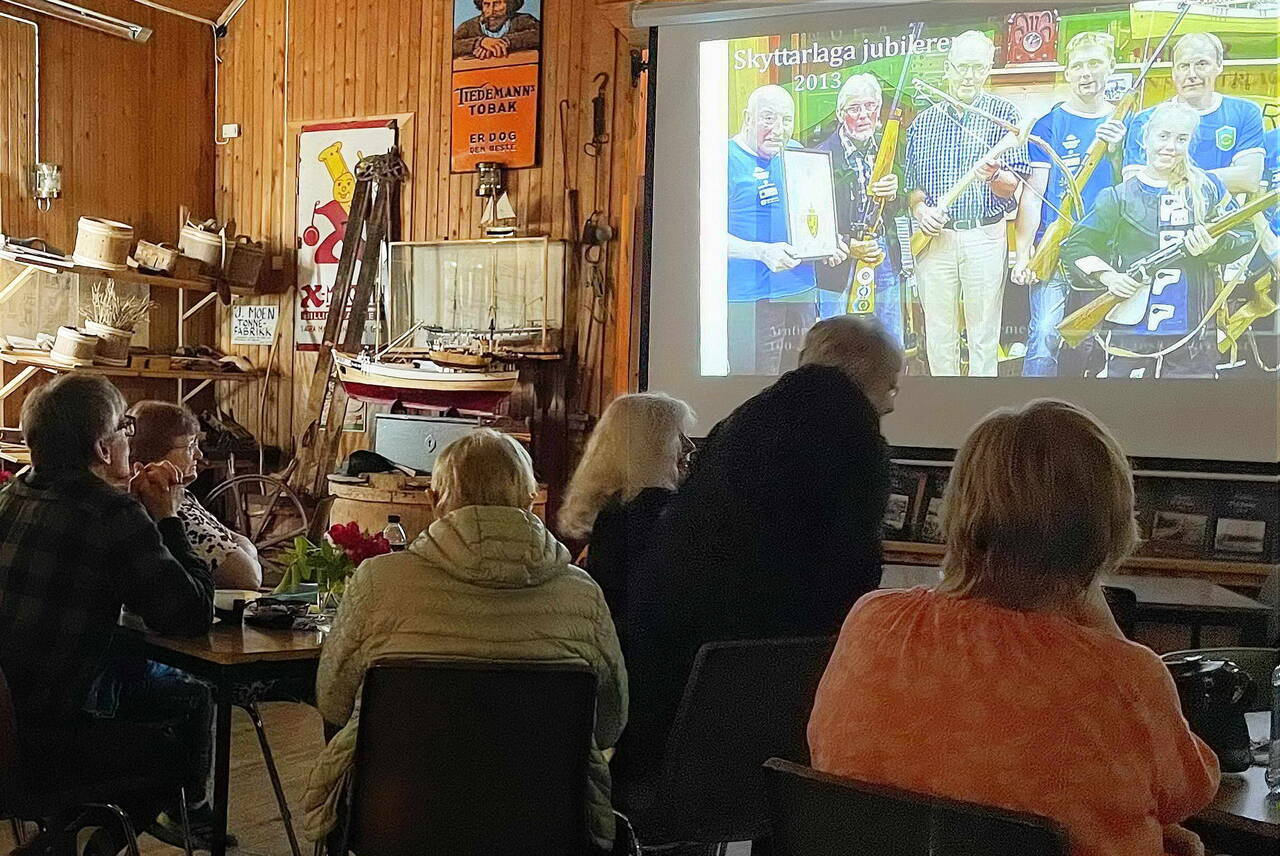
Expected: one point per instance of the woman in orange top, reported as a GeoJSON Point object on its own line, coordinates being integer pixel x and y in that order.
{"type": "Point", "coordinates": [1010, 684]}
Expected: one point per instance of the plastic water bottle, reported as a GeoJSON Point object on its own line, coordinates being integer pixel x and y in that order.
{"type": "Point", "coordinates": [1273, 757]}
{"type": "Point", "coordinates": [394, 533]}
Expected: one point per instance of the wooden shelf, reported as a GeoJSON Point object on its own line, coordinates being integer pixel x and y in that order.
{"type": "Point", "coordinates": [125, 371]}
{"type": "Point", "coordinates": [131, 276]}
{"type": "Point", "coordinates": [1217, 570]}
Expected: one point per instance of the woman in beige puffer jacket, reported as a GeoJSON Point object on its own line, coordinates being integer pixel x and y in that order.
{"type": "Point", "coordinates": [486, 581]}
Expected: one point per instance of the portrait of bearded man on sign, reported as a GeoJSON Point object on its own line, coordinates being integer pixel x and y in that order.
{"type": "Point", "coordinates": [498, 31]}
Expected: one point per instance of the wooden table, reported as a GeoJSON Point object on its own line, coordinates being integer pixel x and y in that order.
{"type": "Point", "coordinates": [1242, 805]}
{"type": "Point", "coordinates": [1165, 600]}
{"type": "Point", "coordinates": [244, 664]}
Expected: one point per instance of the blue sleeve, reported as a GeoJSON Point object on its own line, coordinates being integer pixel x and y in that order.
{"type": "Point", "coordinates": [1133, 150]}
{"type": "Point", "coordinates": [1251, 133]}
{"type": "Point", "coordinates": [1043, 129]}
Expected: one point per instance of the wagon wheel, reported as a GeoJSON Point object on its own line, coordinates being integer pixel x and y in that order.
{"type": "Point", "coordinates": [265, 510]}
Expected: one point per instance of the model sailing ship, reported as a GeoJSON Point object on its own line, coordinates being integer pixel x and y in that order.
{"type": "Point", "coordinates": [469, 334]}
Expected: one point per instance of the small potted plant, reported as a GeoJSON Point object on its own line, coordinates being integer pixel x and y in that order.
{"type": "Point", "coordinates": [114, 320]}
{"type": "Point", "coordinates": [329, 563]}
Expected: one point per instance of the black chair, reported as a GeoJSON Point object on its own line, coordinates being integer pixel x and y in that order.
{"type": "Point", "coordinates": [472, 758]}
{"type": "Point", "coordinates": [815, 814]}
{"type": "Point", "coordinates": [1258, 663]}
{"type": "Point", "coordinates": [1124, 607]}
{"type": "Point", "coordinates": [62, 804]}
{"type": "Point", "coordinates": [744, 702]}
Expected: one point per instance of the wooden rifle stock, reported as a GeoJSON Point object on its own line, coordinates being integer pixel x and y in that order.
{"type": "Point", "coordinates": [921, 239]}
{"type": "Point", "coordinates": [1045, 257]}
{"type": "Point", "coordinates": [864, 272]}
{"type": "Point", "coordinates": [1076, 327]}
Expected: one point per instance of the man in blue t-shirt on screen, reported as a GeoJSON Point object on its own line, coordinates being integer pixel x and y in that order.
{"type": "Point", "coordinates": [1271, 174]}
{"type": "Point", "coordinates": [773, 295]}
{"type": "Point", "coordinates": [1228, 142]}
{"type": "Point", "coordinates": [1070, 128]}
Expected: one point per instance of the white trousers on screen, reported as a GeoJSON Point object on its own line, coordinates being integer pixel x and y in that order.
{"type": "Point", "coordinates": [969, 267]}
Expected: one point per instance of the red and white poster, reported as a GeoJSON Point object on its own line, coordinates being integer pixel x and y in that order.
{"type": "Point", "coordinates": [327, 156]}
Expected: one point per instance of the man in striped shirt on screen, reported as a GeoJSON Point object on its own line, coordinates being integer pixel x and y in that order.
{"type": "Point", "coordinates": [967, 259]}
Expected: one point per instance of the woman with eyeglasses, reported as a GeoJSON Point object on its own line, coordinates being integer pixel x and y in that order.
{"type": "Point", "coordinates": [170, 432]}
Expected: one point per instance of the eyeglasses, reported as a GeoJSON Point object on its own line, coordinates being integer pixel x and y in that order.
{"type": "Point", "coordinates": [192, 445]}
{"type": "Point", "coordinates": [128, 425]}
{"type": "Point", "coordinates": [853, 108]}
{"type": "Point", "coordinates": [970, 69]}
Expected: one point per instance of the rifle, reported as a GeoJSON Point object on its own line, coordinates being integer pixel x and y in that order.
{"type": "Point", "coordinates": [862, 296]}
{"type": "Point", "coordinates": [921, 239]}
{"type": "Point", "coordinates": [1076, 326]}
{"type": "Point", "coordinates": [1045, 257]}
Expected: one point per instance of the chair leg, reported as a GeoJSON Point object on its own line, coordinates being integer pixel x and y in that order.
{"type": "Point", "coordinates": [126, 825]}
{"type": "Point", "coordinates": [185, 814]}
{"type": "Point", "coordinates": [19, 831]}
{"type": "Point", "coordinates": [252, 709]}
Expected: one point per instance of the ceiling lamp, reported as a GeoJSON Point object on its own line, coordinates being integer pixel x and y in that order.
{"type": "Point", "coordinates": [86, 18]}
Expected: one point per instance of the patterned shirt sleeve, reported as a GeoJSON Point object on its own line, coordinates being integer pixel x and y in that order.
{"type": "Point", "coordinates": [1017, 159]}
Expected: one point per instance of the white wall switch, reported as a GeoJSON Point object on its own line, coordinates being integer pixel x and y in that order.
{"type": "Point", "coordinates": [230, 132]}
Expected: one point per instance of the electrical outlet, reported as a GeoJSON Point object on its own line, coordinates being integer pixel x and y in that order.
{"type": "Point", "coordinates": [230, 132]}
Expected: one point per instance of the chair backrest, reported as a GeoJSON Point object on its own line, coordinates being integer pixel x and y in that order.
{"type": "Point", "coordinates": [1258, 663]}
{"type": "Point", "coordinates": [816, 814]}
{"type": "Point", "coordinates": [745, 701]}
{"type": "Point", "coordinates": [1124, 607]}
{"type": "Point", "coordinates": [472, 758]}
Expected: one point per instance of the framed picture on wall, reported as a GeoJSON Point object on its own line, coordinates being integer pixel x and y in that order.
{"type": "Point", "coordinates": [810, 199]}
{"type": "Point", "coordinates": [497, 62]}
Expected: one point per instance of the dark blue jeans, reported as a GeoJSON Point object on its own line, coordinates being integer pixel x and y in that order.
{"type": "Point", "coordinates": [148, 693]}
{"type": "Point", "coordinates": [888, 292]}
{"type": "Point", "coordinates": [1048, 301]}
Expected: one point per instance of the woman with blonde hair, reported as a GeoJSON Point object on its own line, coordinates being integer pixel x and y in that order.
{"type": "Point", "coordinates": [636, 457]}
{"type": "Point", "coordinates": [486, 580]}
{"type": "Point", "coordinates": [1009, 684]}
{"type": "Point", "coordinates": [1164, 325]}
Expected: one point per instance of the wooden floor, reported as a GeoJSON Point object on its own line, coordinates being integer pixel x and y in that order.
{"type": "Point", "coordinates": [296, 737]}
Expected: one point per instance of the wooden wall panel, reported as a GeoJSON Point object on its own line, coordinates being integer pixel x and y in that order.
{"type": "Point", "coordinates": [131, 124]}
{"type": "Point", "coordinates": [357, 58]}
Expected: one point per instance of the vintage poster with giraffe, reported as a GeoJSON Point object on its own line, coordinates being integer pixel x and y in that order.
{"type": "Point", "coordinates": [327, 156]}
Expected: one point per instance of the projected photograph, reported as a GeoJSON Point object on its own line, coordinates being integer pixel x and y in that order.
{"type": "Point", "coordinates": [1082, 195]}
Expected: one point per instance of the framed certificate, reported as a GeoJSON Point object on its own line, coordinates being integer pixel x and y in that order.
{"type": "Point", "coordinates": [810, 202]}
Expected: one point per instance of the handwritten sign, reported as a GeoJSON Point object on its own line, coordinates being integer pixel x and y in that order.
{"type": "Point", "coordinates": [253, 325]}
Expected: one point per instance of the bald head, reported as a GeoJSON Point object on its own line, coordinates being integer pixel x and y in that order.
{"type": "Point", "coordinates": [768, 121]}
{"type": "Point", "coordinates": [861, 348]}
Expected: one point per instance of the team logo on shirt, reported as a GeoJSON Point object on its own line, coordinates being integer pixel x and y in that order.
{"type": "Point", "coordinates": [1226, 137]}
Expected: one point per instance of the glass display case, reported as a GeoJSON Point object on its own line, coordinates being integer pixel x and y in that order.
{"type": "Point", "coordinates": [496, 295]}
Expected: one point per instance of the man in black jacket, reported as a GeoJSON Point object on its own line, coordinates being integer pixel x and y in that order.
{"type": "Point", "coordinates": [776, 531]}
